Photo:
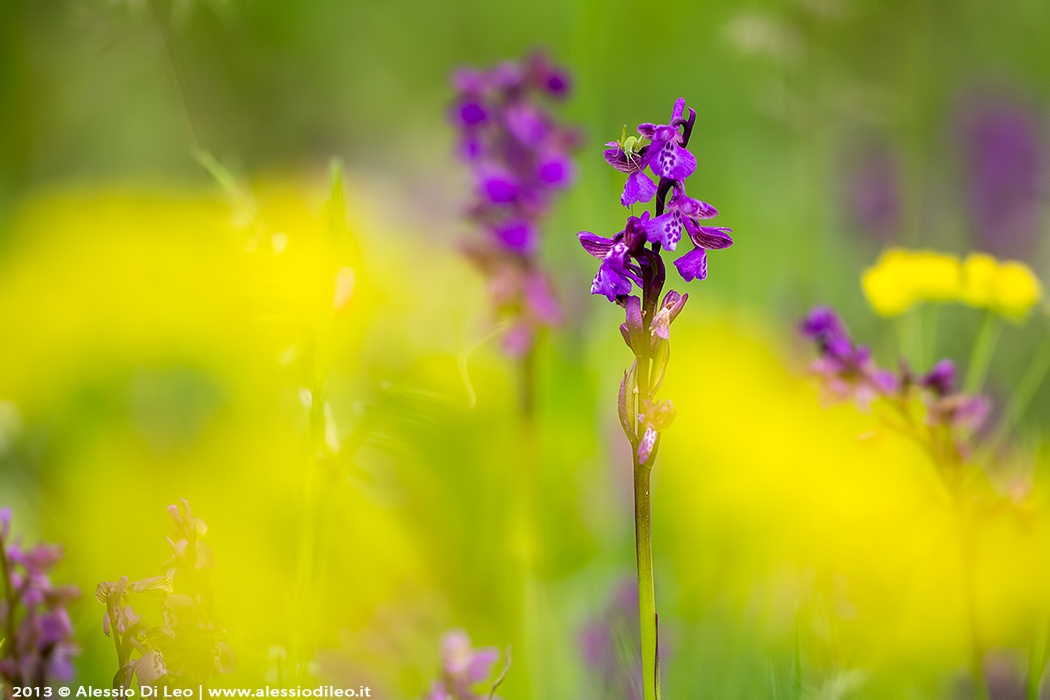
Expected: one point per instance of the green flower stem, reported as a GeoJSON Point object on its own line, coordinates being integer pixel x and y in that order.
{"type": "Point", "coordinates": [929, 341]}
{"type": "Point", "coordinates": [646, 588]}
{"type": "Point", "coordinates": [643, 521]}
{"type": "Point", "coordinates": [983, 347]}
{"type": "Point", "coordinates": [523, 531]}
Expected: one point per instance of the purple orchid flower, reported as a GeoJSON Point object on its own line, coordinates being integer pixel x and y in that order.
{"type": "Point", "coordinates": [639, 187]}
{"type": "Point", "coordinates": [668, 159]}
{"type": "Point", "coordinates": [667, 156]}
{"type": "Point", "coordinates": [633, 257]}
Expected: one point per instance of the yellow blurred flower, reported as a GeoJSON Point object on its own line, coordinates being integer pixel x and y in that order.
{"type": "Point", "coordinates": [979, 274]}
{"type": "Point", "coordinates": [902, 278]}
{"type": "Point", "coordinates": [1009, 288]}
{"type": "Point", "coordinates": [1017, 290]}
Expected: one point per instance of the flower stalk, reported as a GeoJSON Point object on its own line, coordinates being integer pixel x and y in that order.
{"type": "Point", "coordinates": [633, 258]}
{"type": "Point", "coordinates": [928, 410]}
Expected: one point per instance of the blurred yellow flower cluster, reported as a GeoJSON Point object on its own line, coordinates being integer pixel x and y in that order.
{"type": "Point", "coordinates": [902, 278]}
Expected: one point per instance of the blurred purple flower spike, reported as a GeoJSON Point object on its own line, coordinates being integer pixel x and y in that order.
{"type": "Point", "coordinates": [1006, 170]}
{"type": "Point", "coordinates": [39, 641]}
{"type": "Point", "coordinates": [520, 158]}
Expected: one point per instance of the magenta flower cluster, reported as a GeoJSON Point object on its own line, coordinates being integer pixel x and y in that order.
{"type": "Point", "coordinates": [38, 635]}
{"type": "Point", "coordinates": [633, 258]}
{"type": "Point", "coordinates": [625, 258]}
{"type": "Point", "coordinates": [520, 159]}
{"type": "Point", "coordinates": [849, 372]}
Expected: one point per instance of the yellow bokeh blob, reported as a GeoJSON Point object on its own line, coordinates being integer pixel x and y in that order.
{"type": "Point", "coordinates": [1017, 290]}
{"type": "Point", "coordinates": [902, 278]}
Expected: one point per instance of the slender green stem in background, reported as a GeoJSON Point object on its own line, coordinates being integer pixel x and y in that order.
{"type": "Point", "coordinates": [523, 527]}
{"type": "Point", "coordinates": [909, 336]}
{"type": "Point", "coordinates": [1022, 396]}
{"type": "Point", "coordinates": [983, 347]}
{"type": "Point", "coordinates": [929, 341]}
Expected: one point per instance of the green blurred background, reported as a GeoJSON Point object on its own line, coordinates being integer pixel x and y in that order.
{"type": "Point", "coordinates": [152, 343]}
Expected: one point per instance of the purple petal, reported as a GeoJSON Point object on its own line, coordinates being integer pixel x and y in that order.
{"type": "Point", "coordinates": [507, 76]}
{"type": "Point", "coordinates": [639, 188]}
{"type": "Point", "coordinates": [594, 244]}
{"type": "Point", "coordinates": [678, 110]}
{"type": "Point", "coordinates": [884, 381]}
{"type": "Point", "coordinates": [665, 229]}
{"type": "Point", "coordinates": [647, 130]}
{"type": "Point", "coordinates": [661, 325]}
{"type": "Point", "coordinates": [972, 412]}
{"type": "Point", "coordinates": [634, 231]}
{"type": "Point", "coordinates": [709, 237]}
{"type": "Point", "coordinates": [468, 80]}
{"type": "Point", "coordinates": [54, 627]}
{"type": "Point", "coordinates": [692, 265]}
{"type": "Point", "coordinates": [646, 444]}
{"type": "Point", "coordinates": [941, 378]}
{"type": "Point", "coordinates": [471, 147]}
{"type": "Point", "coordinates": [692, 208]}
{"type": "Point", "coordinates": [822, 321]}
{"type": "Point", "coordinates": [610, 283]}
{"type": "Point", "coordinates": [634, 318]}
{"type": "Point", "coordinates": [438, 692]}
{"type": "Point", "coordinates": [557, 83]}
{"type": "Point", "coordinates": [672, 161]}
{"type": "Point", "coordinates": [481, 664]}
{"type": "Point", "coordinates": [517, 236]}
{"type": "Point", "coordinates": [517, 340]}
{"type": "Point", "coordinates": [616, 157]}
{"type": "Point", "coordinates": [674, 303]}
{"type": "Point", "coordinates": [705, 210]}
{"type": "Point", "coordinates": [471, 113]}
{"type": "Point", "coordinates": [555, 169]}
{"type": "Point", "coordinates": [498, 186]}
{"type": "Point", "coordinates": [60, 665]}
{"type": "Point", "coordinates": [540, 300]}
{"type": "Point", "coordinates": [526, 124]}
